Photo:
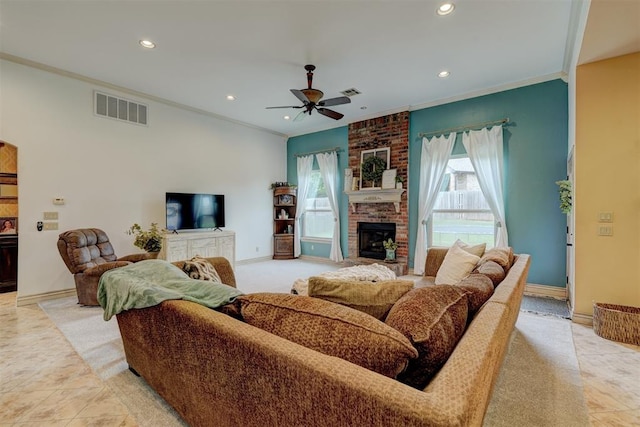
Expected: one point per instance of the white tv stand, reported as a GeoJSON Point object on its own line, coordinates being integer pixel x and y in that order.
{"type": "Point", "coordinates": [184, 245]}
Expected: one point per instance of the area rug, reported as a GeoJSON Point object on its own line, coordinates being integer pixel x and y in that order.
{"type": "Point", "coordinates": [539, 383]}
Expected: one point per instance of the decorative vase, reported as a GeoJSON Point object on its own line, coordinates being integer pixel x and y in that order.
{"type": "Point", "coordinates": [153, 255]}
{"type": "Point", "coordinates": [391, 255]}
{"type": "Point", "coordinates": [399, 185]}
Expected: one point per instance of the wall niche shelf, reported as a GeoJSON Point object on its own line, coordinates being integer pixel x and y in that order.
{"type": "Point", "coordinates": [375, 196]}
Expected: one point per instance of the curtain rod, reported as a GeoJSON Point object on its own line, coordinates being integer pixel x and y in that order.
{"type": "Point", "coordinates": [465, 128]}
{"type": "Point", "coordinates": [326, 150]}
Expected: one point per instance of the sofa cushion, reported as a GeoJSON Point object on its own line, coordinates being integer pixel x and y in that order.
{"type": "Point", "coordinates": [433, 319]}
{"type": "Point", "coordinates": [479, 289]}
{"type": "Point", "coordinates": [457, 265]}
{"type": "Point", "coordinates": [199, 268]}
{"type": "Point", "coordinates": [374, 298]}
{"type": "Point", "coordinates": [502, 256]}
{"type": "Point", "coordinates": [330, 328]}
{"type": "Point", "coordinates": [492, 270]}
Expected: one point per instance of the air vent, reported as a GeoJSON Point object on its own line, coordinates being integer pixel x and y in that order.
{"type": "Point", "coordinates": [351, 92]}
{"type": "Point", "coordinates": [119, 108]}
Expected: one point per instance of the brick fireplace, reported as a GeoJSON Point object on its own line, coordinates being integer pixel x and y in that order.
{"type": "Point", "coordinates": [388, 131]}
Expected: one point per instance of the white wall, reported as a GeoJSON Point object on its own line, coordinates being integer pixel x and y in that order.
{"type": "Point", "coordinates": [113, 174]}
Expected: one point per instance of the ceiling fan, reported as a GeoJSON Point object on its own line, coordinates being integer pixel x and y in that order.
{"type": "Point", "coordinates": [311, 99]}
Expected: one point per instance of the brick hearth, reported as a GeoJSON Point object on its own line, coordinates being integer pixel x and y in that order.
{"type": "Point", "coordinates": [387, 131]}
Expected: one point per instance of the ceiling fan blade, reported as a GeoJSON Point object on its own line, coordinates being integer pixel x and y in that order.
{"type": "Point", "coordinates": [300, 95]}
{"type": "Point", "coordinates": [335, 101]}
{"type": "Point", "coordinates": [301, 115]}
{"type": "Point", "coordinates": [330, 113]}
{"type": "Point", "coordinates": [286, 106]}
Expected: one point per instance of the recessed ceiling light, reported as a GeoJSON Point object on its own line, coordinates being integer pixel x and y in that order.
{"type": "Point", "coordinates": [286, 117]}
{"type": "Point", "coordinates": [231, 98]}
{"type": "Point", "coordinates": [147, 43]}
{"type": "Point", "coordinates": [443, 74]}
{"type": "Point", "coordinates": [445, 9]}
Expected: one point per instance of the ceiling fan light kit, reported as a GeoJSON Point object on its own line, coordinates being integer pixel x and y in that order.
{"type": "Point", "coordinates": [311, 99]}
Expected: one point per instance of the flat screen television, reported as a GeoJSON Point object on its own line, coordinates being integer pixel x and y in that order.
{"type": "Point", "coordinates": [189, 211]}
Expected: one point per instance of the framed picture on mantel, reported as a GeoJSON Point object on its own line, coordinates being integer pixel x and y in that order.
{"type": "Point", "coordinates": [373, 163]}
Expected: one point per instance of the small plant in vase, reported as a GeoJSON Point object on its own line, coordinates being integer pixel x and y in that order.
{"type": "Point", "coordinates": [149, 240]}
{"type": "Point", "coordinates": [390, 246]}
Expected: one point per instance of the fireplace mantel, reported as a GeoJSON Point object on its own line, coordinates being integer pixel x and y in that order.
{"type": "Point", "coordinates": [375, 196]}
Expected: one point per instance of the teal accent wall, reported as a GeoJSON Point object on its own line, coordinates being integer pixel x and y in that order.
{"type": "Point", "coordinates": [535, 150]}
{"type": "Point", "coordinates": [310, 143]}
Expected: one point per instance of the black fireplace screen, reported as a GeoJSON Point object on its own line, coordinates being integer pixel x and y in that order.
{"type": "Point", "coordinates": [371, 236]}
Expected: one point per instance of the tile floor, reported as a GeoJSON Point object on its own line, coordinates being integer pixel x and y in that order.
{"type": "Point", "coordinates": [43, 381]}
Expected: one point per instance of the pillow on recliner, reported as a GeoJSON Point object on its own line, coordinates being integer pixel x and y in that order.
{"type": "Point", "coordinates": [331, 329]}
{"type": "Point", "coordinates": [374, 298]}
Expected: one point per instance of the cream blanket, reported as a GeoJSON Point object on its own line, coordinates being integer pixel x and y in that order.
{"type": "Point", "coordinates": [371, 272]}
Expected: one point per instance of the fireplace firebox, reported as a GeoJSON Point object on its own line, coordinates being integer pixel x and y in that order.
{"type": "Point", "coordinates": [372, 235]}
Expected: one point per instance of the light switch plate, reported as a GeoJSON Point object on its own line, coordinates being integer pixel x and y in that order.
{"type": "Point", "coordinates": [50, 225]}
{"type": "Point", "coordinates": [50, 215]}
{"type": "Point", "coordinates": [605, 217]}
{"type": "Point", "coordinates": [605, 230]}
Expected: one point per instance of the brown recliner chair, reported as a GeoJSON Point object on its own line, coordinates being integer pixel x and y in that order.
{"type": "Point", "coordinates": [87, 254]}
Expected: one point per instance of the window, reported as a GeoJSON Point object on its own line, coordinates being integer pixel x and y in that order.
{"type": "Point", "coordinates": [461, 211]}
{"type": "Point", "coordinates": [317, 221]}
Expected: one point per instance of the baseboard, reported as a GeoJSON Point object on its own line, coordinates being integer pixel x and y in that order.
{"type": "Point", "coordinates": [318, 259]}
{"type": "Point", "coordinates": [35, 299]}
{"type": "Point", "coordinates": [253, 260]}
{"type": "Point", "coordinates": [582, 319]}
{"type": "Point", "coordinates": [532, 289]}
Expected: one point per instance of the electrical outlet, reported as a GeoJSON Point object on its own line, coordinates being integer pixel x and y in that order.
{"type": "Point", "coordinates": [50, 225]}
{"type": "Point", "coordinates": [50, 215]}
{"type": "Point", "coordinates": [257, 249]}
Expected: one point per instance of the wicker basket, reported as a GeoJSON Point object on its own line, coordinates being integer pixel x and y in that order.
{"type": "Point", "coordinates": [617, 322]}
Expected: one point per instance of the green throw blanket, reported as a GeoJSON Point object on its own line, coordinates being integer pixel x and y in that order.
{"type": "Point", "coordinates": [148, 283]}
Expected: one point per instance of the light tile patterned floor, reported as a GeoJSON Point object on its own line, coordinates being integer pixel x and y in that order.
{"type": "Point", "coordinates": [43, 381]}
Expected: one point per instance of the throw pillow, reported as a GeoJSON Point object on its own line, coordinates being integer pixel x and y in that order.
{"type": "Point", "coordinates": [374, 298]}
{"type": "Point", "coordinates": [479, 289]}
{"type": "Point", "coordinates": [199, 268]}
{"type": "Point", "coordinates": [433, 319]}
{"type": "Point", "coordinates": [457, 265]}
{"type": "Point", "coordinates": [477, 250]}
{"type": "Point", "coordinates": [331, 329]}
{"type": "Point", "coordinates": [492, 270]}
{"type": "Point", "coordinates": [502, 256]}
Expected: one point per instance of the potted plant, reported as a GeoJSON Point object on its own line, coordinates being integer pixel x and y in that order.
{"type": "Point", "coordinates": [564, 190]}
{"type": "Point", "coordinates": [390, 247]}
{"type": "Point", "coordinates": [149, 240]}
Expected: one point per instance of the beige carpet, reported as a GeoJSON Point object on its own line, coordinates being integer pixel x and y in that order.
{"type": "Point", "coordinates": [539, 384]}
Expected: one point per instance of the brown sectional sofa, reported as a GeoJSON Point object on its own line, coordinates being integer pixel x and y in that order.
{"type": "Point", "coordinates": [216, 370]}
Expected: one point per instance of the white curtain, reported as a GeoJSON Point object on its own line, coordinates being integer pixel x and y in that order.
{"type": "Point", "coordinates": [328, 163]}
{"type": "Point", "coordinates": [485, 152]}
{"type": "Point", "coordinates": [433, 163]}
{"type": "Point", "coordinates": [304, 166]}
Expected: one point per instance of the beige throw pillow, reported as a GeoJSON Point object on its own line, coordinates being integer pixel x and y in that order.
{"type": "Point", "coordinates": [457, 265]}
{"type": "Point", "coordinates": [374, 298]}
{"type": "Point", "coordinates": [477, 250]}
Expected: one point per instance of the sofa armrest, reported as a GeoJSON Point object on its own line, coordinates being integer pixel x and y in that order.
{"type": "Point", "coordinates": [99, 269]}
{"type": "Point", "coordinates": [135, 257]}
{"type": "Point", "coordinates": [435, 256]}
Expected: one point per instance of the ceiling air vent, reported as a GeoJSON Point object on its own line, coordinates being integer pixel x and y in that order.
{"type": "Point", "coordinates": [119, 108]}
{"type": "Point", "coordinates": [351, 92]}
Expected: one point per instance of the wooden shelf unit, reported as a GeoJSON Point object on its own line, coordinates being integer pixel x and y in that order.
{"type": "Point", "coordinates": [284, 218]}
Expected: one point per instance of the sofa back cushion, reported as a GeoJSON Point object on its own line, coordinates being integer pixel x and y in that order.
{"type": "Point", "coordinates": [433, 319]}
{"type": "Point", "coordinates": [331, 329]}
{"type": "Point", "coordinates": [374, 298]}
{"type": "Point", "coordinates": [479, 289]}
{"type": "Point", "coordinates": [492, 270]}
